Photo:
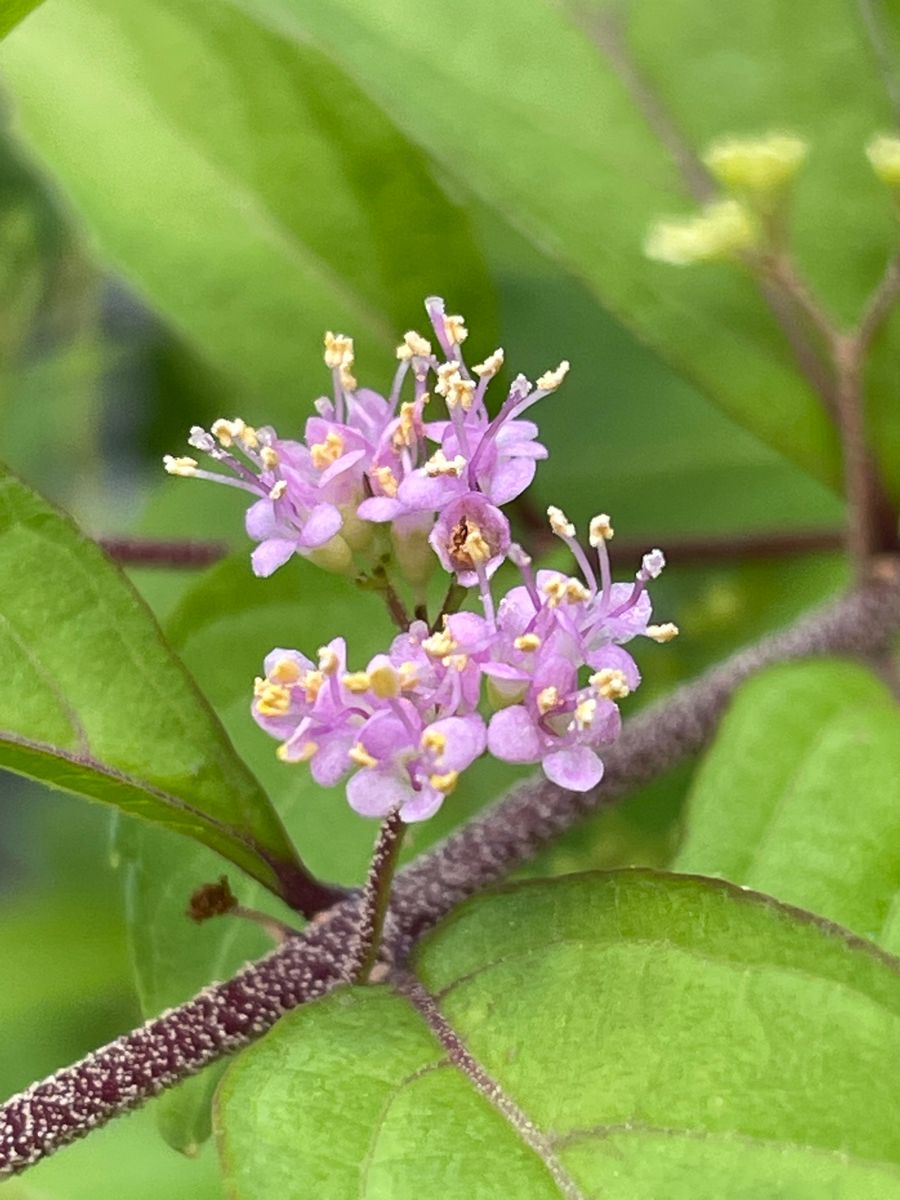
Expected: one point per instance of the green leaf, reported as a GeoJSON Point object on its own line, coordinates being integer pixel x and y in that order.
{"type": "Point", "coordinates": [664, 1036]}
{"type": "Point", "coordinates": [241, 183]}
{"type": "Point", "coordinates": [543, 128]}
{"type": "Point", "coordinates": [799, 796]}
{"type": "Point", "coordinates": [14, 11]}
{"type": "Point", "coordinates": [95, 703]}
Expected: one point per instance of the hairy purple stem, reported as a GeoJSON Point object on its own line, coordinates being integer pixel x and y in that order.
{"type": "Point", "coordinates": [122, 1075]}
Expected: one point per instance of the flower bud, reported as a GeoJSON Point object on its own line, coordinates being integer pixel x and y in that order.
{"type": "Point", "coordinates": [723, 229]}
{"type": "Point", "coordinates": [758, 167]}
{"type": "Point", "coordinates": [883, 152]}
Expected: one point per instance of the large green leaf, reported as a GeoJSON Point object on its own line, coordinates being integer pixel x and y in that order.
{"type": "Point", "coordinates": [240, 182]}
{"type": "Point", "coordinates": [544, 129]}
{"type": "Point", "coordinates": [14, 11]}
{"type": "Point", "coordinates": [95, 703]}
{"type": "Point", "coordinates": [799, 796]}
{"type": "Point", "coordinates": [662, 1036]}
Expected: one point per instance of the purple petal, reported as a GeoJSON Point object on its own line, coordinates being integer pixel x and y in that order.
{"type": "Point", "coordinates": [330, 762]}
{"type": "Point", "coordinates": [260, 520]}
{"type": "Point", "coordinates": [576, 769]}
{"type": "Point", "coordinates": [513, 737]}
{"type": "Point", "coordinates": [618, 659]}
{"type": "Point", "coordinates": [509, 479]}
{"type": "Point", "coordinates": [466, 740]}
{"type": "Point", "coordinates": [421, 805]}
{"type": "Point", "coordinates": [278, 655]}
{"type": "Point", "coordinates": [320, 526]}
{"type": "Point", "coordinates": [384, 735]}
{"type": "Point", "coordinates": [379, 508]}
{"type": "Point", "coordinates": [373, 793]}
{"type": "Point", "coordinates": [427, 493]}
{"type": "Point", "coordinates": [270, 555]}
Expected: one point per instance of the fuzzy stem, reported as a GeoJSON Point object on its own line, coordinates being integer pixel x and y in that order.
{"type": "Point", "coordinates": [221, 1019]}
{"type": "Point", "coordinates": [376, 894]}
{"type": "Point", "coordinates": [158, 552]}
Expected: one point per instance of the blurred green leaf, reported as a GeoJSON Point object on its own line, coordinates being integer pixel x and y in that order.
{"type": "Point", "coordinates": [544, 129]}
{"type": "Point", "coordinates": [14, 11]}
{"type": "Point", "coordinates": [241, 183]}
{"type": "Point", "coordinates": [667, 1036]}
{"type": "Point", "coordinates": [799, 795]}
{"type": "Point", "coordinates": [94, 703]}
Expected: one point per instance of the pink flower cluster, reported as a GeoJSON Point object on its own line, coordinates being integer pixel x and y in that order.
{"type": "Point", "coordinates": [549, 661]}
{"type": "Point", "coordinates": [536, 678]}
{"type": "Point", "coordinates": [368, 459]}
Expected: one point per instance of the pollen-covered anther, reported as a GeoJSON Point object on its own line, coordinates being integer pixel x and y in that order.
{"type": "Point", "coordinates": [585, 712]}
{"type": "Point", "coordinates": [601, 529]}
{"type": "Point", "coordinates": [269, 458]}
{"type": "Point", "coordinates": [528, 642]}
{"type": "Point", "coordinates": [413, 346]}
{"type": "Point", "coordinates": [360, 755]}
{"type": "Point", "coordinates": [460, 393]}
{"type": "Point", "coordinates": [455, 662]}
{"type": "Point", "coordinates": [444, 783]}
{"type": "Point", "coordinates": [325, 453]}
{"type": "Point", "coordinates": [652, 564]}
{"type": "Point", "coordinates": [610, 683]}
{"type": "Point", "coordinates": [439, 644]}
{"type": "Point", "coordinates": [227, 432]}
{"type": "Point", "coordinates": [455, 329]}
{"type": "Point", "coordinates": [277, 490]}
{"type": "Point", "coordinates": [409, 676]}
{"type": "Point", "coordinates": [468, 544]}
{"type": "Point", "coordinates": [547, 700]}
{"type": "Point", "coordinates": [357, 682]}
{"type": "Point", "coordinates": [285, 671]}
{"type": "Point", "coordinates": [249, 437]}
{"type": "Point", "coordinates": [286, 752]}
{"type": "Point", "coordinates": [663, 633]}
{"type": "Point", "coordinates": [386, 480]}
{"type": "Point", "coordinates": [409, 426]}
{"type": "Point", "coordinates": [272, 699]}
{"type": "Point", "coordinates": [491, 365]}
{"type": "Point", "coordinates": [348, 379]}
{"type": "Point", "coordinates": [434, 741]}
{"type": "Point", "coordinates": [328, 660]}
{"type": "Point", "coordinates": [311, 683]}
{"type": "Point", "coordinates": [385, 682]}
{"type": "Point", "coordinates": [447, 373]}
{"type": "Point", "coordinates": [182, 465]}
{"type": "Point", "coordinates": [439, 465]}
{"type": "Point", "coordinates": [338, 350]}
{"type": "Point", "coordinates": [560, 523]}
{"type": "Point", "coordinates": [550, 380]}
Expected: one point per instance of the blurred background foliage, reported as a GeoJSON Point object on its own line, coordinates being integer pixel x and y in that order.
{"type": "Point", "coordinates": [191, 192]}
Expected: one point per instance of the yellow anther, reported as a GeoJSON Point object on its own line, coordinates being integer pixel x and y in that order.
{"type": "Point", "coordinates": [439, 464]}
{"type": "Point", "coordinates": [757, 165]}
{"type": "Point", "coordinates": [357, 682]}
{"type": "Point", "coordinates": [285, 671]}
{"type": "Point", "coordinates": [307, 750]}
{"type": "Point", "coordinates": [547, 700]}
{"type": "Point", "coordinates": [724, 228]}
{"type": "Point", "coordinates": [387, 480]}
{"type": "Point", "coordinates": [360, 755]}
{"type": "Point", "coordinates": [460, 393]}
{"type": "Point", "coordinates": [408, 425]}
{"type": "Point", "coordinates": [528, 642]}
{"type": "Point", "coordinates": [560, 523]}
{"type": "Point", "coordinates": [473, 548]}
{"type": "Point", "coordinates": [385, 682]}
{"type": "Point", "coordinates": [409, 676]}
{"type": "Point", "coordinates": [348, 379]}
{"type": "Point", "coordinates": [490, 366]}
{"type": "Point", "coordinates": [601, 529]}
{"type": "Point", "coordinates": [584, 714]}
{"type": "Point", "coordinates": [576, 592]}
{"type": "Point", "coordinates": [249, 437]}
{"type": "Point", "coordinates": [325, 453]}
{"type": "Point", "coordinates": [311, 683]}
{"type": "Point", "coordinates": [434, 741]}
{"type": "Point", "coordinates": [272, 699]}
{"type": "Point", "coordinates": [277, 490]}
{"type": "Point", "coordinates": [338, 350]}
{"type": "Point", "coordinates": [447, 373]}
{"type": "Point", "coordinates": [444, 783]}
{"type": "Point", "coordinates": [663, 633]}
{"type": "Point", "coordinates": [269, 458]}
{"type": "Point", "coordinates": [550, 380]}
{"type": "Point", "coordinates": [456, 662]}
{"type": "Point", "coordinates": [328, 660]}
{"type": "Point", "coordinates": [455, 329]}
{"type": "Point", "coordinates": [562, 589]}
{"type": "Point", "coordinates": [413, 346]}
{"type": "Point", "coordinates": [227, 432]}
{"type": "Point", "coordinates": [439, 644]}
{"type": "Point", "coordinates": [610, 683]}
{"type": "Point", "coordinates": [181, 465]}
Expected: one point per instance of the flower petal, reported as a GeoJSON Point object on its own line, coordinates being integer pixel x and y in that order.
{"type": "Point", "coordinates": [320, 526]}
{"type": "Point", "coordinates": [576, 769]}
{"type": "Point", "coordinates": [373, 793]}
{"type": "Point", "coordinates": [513, 737]}
{"type": "Point", "coordinates": [270, 555]}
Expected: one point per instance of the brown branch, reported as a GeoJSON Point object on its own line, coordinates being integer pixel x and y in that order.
{"type": "Point", "coordinates": [121, 1076]}
{"type": "Point", "coordinates": [162, 552]}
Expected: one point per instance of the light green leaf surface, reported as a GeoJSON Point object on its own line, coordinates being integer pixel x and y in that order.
{"type": "Point", "coordinates": [544, 128]}
{"type": "Point", "coordinates": [667, 1036]}
{"type": "Point", "coordinates": [14, 11]}
{"type": "Point", "coordinates": [799, 796]}
{"type": "Point", "coordinates": [241, 183]}
{"type": "Point", "coordinates": [95, 703]}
